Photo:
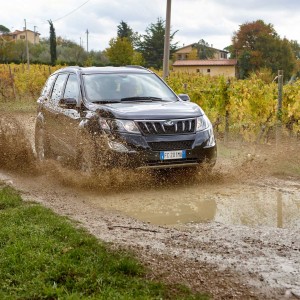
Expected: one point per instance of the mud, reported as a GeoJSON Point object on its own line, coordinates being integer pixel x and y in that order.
{"type": "Point", "coordinates": [233, 232]}
{"type": "Point", "coordinates": [15, 149]}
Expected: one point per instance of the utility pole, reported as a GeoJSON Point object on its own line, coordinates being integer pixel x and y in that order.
{"type": "Point", "coordinates": [27, 49]}
{"type": "Point", "coordinates": [87, 40]}
{"type": "Point", "coordinates": [167, 41]}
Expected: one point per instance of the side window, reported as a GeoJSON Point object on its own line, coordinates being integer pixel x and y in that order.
{"type": "Point", "coordinates": [47, 87]}
{"type": "Point", "coordinates": [72, 89]}
{"type": "Point", "coordinates": [58, 87]}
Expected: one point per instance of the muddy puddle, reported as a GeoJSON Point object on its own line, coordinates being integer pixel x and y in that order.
{"type": "Point", "coordinates": [234, 204]}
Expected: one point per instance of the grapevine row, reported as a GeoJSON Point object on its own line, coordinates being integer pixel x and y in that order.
{"type": "Point", "coordinates": [248, 105]}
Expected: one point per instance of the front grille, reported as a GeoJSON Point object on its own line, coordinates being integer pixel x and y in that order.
{"type": "Point", "coordinates": [161, 127]}
{"type": "Point", "coordinates": [169, 146]}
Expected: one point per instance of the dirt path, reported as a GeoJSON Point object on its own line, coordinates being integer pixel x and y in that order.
{"type": "Point", "coordinates": [234, 236]}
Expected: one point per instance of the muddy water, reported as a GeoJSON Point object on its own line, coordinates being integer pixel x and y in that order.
{"type": "Point", "coordinates": [252, 205]}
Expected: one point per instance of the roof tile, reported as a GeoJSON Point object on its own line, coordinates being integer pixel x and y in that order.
{"type": "Point", "coordinates": [205, 62]}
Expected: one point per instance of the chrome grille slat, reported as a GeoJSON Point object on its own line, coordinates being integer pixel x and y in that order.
{"type": "Point", "coordinates": [162, 127]}
{"type": "Point", "coordinates": [154, 127]}
{"type": "Point", "coordinates": [145, 124]}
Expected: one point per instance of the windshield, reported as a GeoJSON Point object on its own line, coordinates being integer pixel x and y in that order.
{"type": "Point", "coordinates": [119, 87]}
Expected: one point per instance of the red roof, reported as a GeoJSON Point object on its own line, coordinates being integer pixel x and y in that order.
{"type": "Point", "coordinates": [205, 62]}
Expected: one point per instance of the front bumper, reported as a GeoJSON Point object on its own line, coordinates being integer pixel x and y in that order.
{"type": "Point", "coordinates": [145, 152]}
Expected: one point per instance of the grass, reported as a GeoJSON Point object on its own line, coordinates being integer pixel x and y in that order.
{"type": "Point", "coordinates": [27, 105]}
{"type": "Point", "coordinates": [43, 256]}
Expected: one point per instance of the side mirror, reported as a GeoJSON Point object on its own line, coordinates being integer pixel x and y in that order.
{"type": "Point", "coordinates": [184, 97]}
{"type": "Point", "coordinates": [67, 103]}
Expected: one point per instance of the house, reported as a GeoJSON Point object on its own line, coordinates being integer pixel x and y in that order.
{"type": "Point", "coordinates": [32, 36]}
{"type": "Point", "coordinates": [190, 52]}
{"type": "Point", "coordinates": [212, 67]}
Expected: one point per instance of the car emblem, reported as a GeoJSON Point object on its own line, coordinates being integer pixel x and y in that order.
{"type": "Point", "coordinates": [169, 123]}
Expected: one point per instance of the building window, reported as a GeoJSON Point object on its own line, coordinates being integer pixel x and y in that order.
{"type": "Point", "coordinates": [198, 70]}
{"type": "Point", "coordinates": [208, 70]}
{"type": "Point", "coordinates": [22, 37]}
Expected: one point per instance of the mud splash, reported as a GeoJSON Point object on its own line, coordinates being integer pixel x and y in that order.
{"type": "Point", "coordinates": [15, 149]}
{"type": "Point", "coordinates": [16, 143]}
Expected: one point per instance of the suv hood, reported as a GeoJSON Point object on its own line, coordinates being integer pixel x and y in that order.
{"type": "Point", "coordinates": [150, 110]}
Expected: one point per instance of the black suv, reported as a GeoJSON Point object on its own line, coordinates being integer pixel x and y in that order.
{"type": "Point", "coordinates": [120, 117]}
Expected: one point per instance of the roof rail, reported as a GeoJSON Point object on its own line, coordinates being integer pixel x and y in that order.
{"type": "Point", "coordinates": [136, 67]}
{"type": "Point", "coordinates": [75, 67]}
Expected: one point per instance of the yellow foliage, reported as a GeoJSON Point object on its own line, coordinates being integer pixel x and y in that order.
{"type": "Point", "coordinates": [251, 103]}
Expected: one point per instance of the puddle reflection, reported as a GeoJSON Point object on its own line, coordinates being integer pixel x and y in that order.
{"type": "Point", "coordinates": [238, 205]}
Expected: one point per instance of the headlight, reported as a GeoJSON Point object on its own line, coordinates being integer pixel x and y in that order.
{"type": "Point", "coordinates": [127, 126]}
{"type": "Point", "coordinates": [202, 123]}
{"type": "Point", "coordinates": [119, 125]}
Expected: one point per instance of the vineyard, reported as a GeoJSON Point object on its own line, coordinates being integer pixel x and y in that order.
{"type": "Point", "coordinates": [244, 108]}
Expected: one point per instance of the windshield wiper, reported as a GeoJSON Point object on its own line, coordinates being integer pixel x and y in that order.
{"type": "Point", "coordinates": [105, 101]}
{"type": "Point", "coordinates": [141, 99]}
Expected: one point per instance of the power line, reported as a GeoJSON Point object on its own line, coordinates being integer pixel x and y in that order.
{"type": "Point", "coordinates": [72, 11]}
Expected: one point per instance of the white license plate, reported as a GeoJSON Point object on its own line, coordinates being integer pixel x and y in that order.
{"type": "Point", "coordinates": [179, 154]}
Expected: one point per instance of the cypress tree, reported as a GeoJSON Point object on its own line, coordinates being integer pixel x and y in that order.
{"type": "Point", "coordinates": [52, 43]}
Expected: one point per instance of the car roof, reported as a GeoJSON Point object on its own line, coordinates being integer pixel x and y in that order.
{"type": "Point", "coordinates": [109, 69]}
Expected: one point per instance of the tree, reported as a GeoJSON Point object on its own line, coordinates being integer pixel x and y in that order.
{"type": "Point", "coordinates": [120, 51]}
{"type": "Point", "coordinates": [204, 51]}
{"type": "Point", "coordinates": [152, 44]}
{"type": "Point", "coordinates": [52, 43]}
{"type": "Point", "coordinates": [296, 48]}
{"type": "Point", "coordinates": [125, 31]}
{"type": "Point", "coordinates": [257, 45]}
{"type": "Point", "coordinates": [4, 29]}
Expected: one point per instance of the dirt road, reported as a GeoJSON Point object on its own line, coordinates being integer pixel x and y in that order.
{"type": "Point", "coordinates": [234, 234]}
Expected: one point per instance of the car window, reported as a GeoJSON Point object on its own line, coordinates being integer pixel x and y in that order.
{"type": "Point", "coordinates": [47, 87]}
{"type": "Point", "coordinates": [72, 89]}
{"type": "Point", "coordinates": [109, 87]}
{"type": "Point", "coordinates": [58, 87]}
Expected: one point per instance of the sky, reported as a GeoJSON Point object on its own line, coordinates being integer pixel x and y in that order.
{"type": "Point", "coordinates": [215, 21]}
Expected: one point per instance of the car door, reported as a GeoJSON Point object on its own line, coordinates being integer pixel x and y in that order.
{"type": "Point", "coordinates": [61, 120]}
{"type": "Point", "coordinates": [51, 114]}
{"type": "Point", "coordinates": [69, 117]}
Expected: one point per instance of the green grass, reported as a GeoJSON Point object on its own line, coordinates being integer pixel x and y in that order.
{"type": "Point", "coordinates": [27, 105]}
{"type": "Point", "coordinates": [43, 256]}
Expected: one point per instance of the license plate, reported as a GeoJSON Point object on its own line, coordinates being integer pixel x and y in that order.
{"type": "Point", "coordinates": [179, 154]}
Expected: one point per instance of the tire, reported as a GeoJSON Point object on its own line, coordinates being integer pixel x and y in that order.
{"type": "Point", "coordinates": [42, 145]}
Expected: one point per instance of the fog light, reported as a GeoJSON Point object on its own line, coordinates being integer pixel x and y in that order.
{"type": "Point", "coordinates": [117, 147]}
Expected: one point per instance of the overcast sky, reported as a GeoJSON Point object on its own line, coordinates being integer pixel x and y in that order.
{"type": "Point", "coordinates": [211, 20]}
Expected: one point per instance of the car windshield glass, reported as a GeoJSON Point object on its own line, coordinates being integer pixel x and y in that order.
{"type": "Point", "coordinates": [135, 86]}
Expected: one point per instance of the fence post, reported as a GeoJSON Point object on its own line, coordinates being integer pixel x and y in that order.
{"type": "Point", "coordinates": [227, 114]}
{"type": "Point", "coordinates": [279, 108]}
{"type": "Point", "coordinates": [12, 82]}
